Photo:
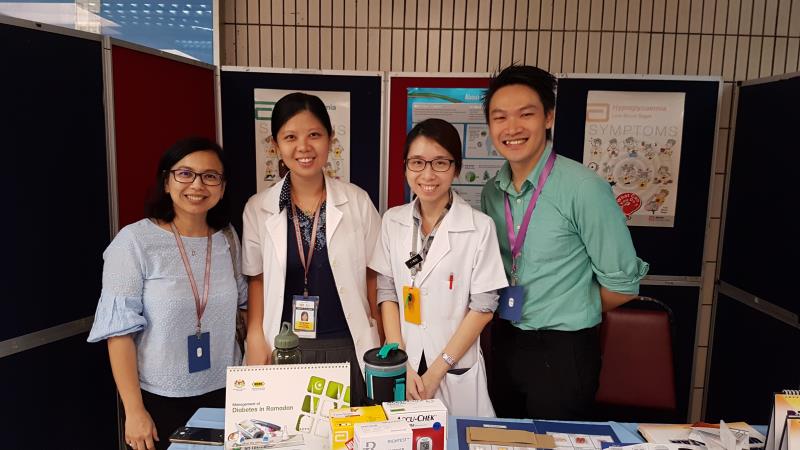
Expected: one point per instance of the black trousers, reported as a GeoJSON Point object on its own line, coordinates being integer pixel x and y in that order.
{"type": "Point", "coordinates": [171, 413]}
{"type": "Point", "coordinates": [337, 350]}
{"type": "Point", "coordinates": [544, 374]}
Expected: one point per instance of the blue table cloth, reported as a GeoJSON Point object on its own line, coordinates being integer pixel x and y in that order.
{"type": "Point", "coordinates": [215, 418]}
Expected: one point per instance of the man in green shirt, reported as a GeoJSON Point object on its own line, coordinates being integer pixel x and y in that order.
{"type": "Point", "coordinates": [574, 259]}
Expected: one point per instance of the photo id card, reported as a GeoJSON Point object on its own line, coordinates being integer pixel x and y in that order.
{"type": "Point", "coordinates": [199, 349]}
{"type": "Point", "coordinates": [304, 316]}
{"type": "Point", "coordinates": [511, 300]}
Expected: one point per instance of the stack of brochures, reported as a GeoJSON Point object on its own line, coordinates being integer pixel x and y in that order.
{"type": "Point", "coordinates": [704, 435]}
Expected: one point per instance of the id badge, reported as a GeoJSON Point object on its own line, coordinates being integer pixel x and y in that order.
{"type": "Point", "coordinates": [511, 301]}
{"type": "Point", "coordinates": [304, 316]}
{"type": "Point", "coordinates": [199, 352]}
{"type": "Point", "coordinates": [412, 305]}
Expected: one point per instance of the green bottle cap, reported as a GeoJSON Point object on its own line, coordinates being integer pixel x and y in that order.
{"type": "Point", "coordinates": [286, 337]}
{"type": "Point", "coordinates": [384, 351]}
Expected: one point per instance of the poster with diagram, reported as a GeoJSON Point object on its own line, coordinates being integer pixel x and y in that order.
{"type": "Point", "coordinates": [633, 141]}
{"type": "Point", "coordinates": [284, 403]}
{"type": "Point", "coordinates": [463, 108]}
{"type": "Point", "coordinates": [268, 164]}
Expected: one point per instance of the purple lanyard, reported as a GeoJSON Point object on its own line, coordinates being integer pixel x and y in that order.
{"type": "Point", "coordinates": [516, 242]}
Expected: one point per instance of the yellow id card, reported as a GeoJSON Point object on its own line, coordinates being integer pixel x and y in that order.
{"type": "Point", "coordinates": [412, 305]}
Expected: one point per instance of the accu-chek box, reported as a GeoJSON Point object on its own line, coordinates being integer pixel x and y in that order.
{"type": "Point", "coordinates": [427, 419]}
{"type": "Point", "coordinates": [394, 435]}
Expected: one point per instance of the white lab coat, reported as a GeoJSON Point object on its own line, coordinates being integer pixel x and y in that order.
{"type": "Point", "coordinates": [465, 245]}
{"type": "Point", "coordinates": [352, 229]}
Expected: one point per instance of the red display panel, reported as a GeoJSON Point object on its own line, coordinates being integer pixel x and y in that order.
{"type": "Point", "coordinates": [157, 100]}
{"type": "Point", "coordinates": [398, 104]}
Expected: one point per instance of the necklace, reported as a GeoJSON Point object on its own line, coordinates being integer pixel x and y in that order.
{"type": "Point", "coordinates": [309, 212]}
{"type": "Point", "coordinates": [193, 251]}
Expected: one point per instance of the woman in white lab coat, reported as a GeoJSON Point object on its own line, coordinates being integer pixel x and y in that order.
{"type": "Point", "coordinates": [439, 269]}
{"type": "Point", "coordinates": [306, 244]}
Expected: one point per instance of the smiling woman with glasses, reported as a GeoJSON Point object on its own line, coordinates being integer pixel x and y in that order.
{"type": "Point", "coordinates": [436, 302]}
{"type": "Point", "coordinates": [171, 289]}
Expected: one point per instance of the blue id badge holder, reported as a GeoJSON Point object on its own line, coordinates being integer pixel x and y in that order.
{"type": "Point", "coordinates": [510, 307]}
{"type": "Point", "coordinates": [199, 347]}
{"type": "Point", "coordinates": [511, 300]}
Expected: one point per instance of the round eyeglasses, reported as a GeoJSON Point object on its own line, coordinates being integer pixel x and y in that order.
{"type": "Point", "coordinates": [438, 165]}
{"type": "Point", "coordinates": [188, 176]}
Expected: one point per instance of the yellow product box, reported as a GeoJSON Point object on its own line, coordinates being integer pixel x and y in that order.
{"type": "Point", "coordinates": [343, 420]}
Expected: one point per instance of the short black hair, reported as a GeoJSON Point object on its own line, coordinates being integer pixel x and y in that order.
{"type": "Point", "coordinates": [440, 131]}
{"type": "Point", "coordinates": [541, 81]}
{"type": "Point", "coordinates": [292, 104]}
{"type": "Point", "coordinates": [160, 204]}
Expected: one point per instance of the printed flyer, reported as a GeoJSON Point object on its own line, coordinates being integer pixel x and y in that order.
{"type": "Point", "coordinates": [633, 140]}
{"type": "Point", "coordinates": [268, 163]}
{"type": "Point", "coordinates": [286, 406]}
{"type": "Point", "coordinates": [463, 108]}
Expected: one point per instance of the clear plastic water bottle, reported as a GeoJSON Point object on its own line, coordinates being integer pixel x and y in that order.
{"type": "Point", "coordinates": [287, 346]}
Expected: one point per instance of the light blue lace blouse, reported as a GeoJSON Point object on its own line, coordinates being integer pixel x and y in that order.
{"type": "Point", "coordinates": [146, 293]}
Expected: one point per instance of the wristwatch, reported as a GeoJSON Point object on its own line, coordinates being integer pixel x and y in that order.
{"type": "Point", "coordinates": [448, 359]}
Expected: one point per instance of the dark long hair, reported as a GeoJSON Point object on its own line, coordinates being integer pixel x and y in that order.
{"type": "Point", "coordinates": [160, 204]}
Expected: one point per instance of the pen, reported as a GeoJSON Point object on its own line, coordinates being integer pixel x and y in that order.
{"type": "Point", "coordinates": [451, 281]}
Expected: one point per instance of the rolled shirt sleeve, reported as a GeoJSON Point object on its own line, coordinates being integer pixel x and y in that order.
{"type": "Point", "coordinates": [386, 289]}
{"type": "Point", "coordinates": [488, 274]}
{"type": "Point", "coordinates": [120, 309]}
{"type": "Point", "coordinates": [602, 227]}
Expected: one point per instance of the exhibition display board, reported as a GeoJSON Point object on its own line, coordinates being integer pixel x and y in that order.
{"type": "Point", "coordinates": [54, 128]}
{"type": "Point", "coordinates": [756, 314]}
{"type": "Point", "coordinates": [675, 251]}
{"type": "Point", "coordinates": [53, 122]}
{"type": "Point", "coordinates": [158, 98]}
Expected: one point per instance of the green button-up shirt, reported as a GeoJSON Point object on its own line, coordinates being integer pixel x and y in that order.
{"type": "Point", "coordinates": [577, 241]}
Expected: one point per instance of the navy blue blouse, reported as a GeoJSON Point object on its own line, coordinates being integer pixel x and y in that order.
{"type": "Point", "coordinates": [331, 322]}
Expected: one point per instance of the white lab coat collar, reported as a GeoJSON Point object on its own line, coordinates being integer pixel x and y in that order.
{"type": "Point", "coordinates": [458, 219]}
{"type": "Point", "coordinates": [276, 221]}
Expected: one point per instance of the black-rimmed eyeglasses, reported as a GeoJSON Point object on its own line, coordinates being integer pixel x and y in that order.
{"type": "Point", "coordinates": [438, 165]}
{"type": "Point", "coordinates": [188, 176]}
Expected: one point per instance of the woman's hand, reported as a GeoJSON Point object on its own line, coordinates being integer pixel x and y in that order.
{"type": "Point", "coordinates": [258, 351]}
{"type": "Point", "coordinates": [140, 431]}
{"type": "Point", "coordinates": [431, 380]}
{"type": "Point", "coordinates": [415, 388]}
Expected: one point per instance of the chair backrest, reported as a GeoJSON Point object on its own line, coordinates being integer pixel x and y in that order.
{"type": "Point", "coordinates": [636, 345]}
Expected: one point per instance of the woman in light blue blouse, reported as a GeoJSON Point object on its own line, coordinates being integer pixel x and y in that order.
{"type": "Point", "coordinates": [170, 296]}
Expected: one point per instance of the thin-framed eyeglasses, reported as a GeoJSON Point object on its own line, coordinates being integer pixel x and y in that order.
{"type": "Point", "coordinates": [438, 165]}
{"type": "Point", "coordinates": [188, 176]}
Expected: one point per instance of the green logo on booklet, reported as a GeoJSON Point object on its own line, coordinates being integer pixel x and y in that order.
{"type": "Point", "coordinates": [316, 385]}
{"type": "Point", "coordinates": [335, 390]}
{"type": "Point", "coordinates": [310, 404]}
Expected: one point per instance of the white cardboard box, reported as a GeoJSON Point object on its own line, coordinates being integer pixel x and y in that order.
{"type": "Point", "coordinates": [427, 419]}
{"type": "Point", "coordinates": [394, 435]}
